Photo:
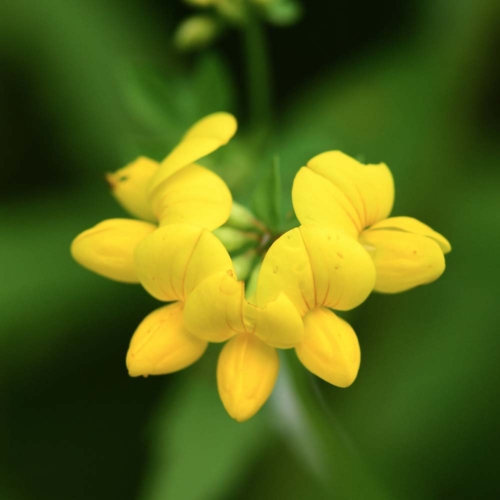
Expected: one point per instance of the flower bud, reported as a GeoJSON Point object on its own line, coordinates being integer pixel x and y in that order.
{"type": "Point", "coordinates": [129, 186]}
{"type": "Point", "coordinates": [242, 218]}
{"type": "Point", "coordinates": [234, 239]}
{"type": "Point", "coordinates": [196, 32]}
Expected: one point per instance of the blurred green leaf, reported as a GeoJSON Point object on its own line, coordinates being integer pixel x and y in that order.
{"type": "Point", "coordinates": [283, 12]}
{"type": "Point", "coordinates": [199, 452]}
{"type": "Point", "coordinates": [164, 105]}
{"type": "Point", "coordinates": [213, 85]}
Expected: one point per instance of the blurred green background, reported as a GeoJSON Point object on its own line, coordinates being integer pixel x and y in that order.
{"type": "Point", "coordinates": [85, 87]}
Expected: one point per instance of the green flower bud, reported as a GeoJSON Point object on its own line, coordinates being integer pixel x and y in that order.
{"type": "Point", "coordinates": [196, 32]}
{"type": "Point", "coordinates": [234, 239]}
{"type": "Point", "coordinates": [241, 218]}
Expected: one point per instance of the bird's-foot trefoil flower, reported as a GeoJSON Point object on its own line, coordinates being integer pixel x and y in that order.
{"type": "Point", "coordinates": [178, 262]}
{"type": "Point", "coordinates": [175, 191]}
{"type": "Point", "coordinates": [335, 190]}
{"type": "Point", "coordinates": [305, 272]}
{"type": "Point", "coordinates": [171, 262]}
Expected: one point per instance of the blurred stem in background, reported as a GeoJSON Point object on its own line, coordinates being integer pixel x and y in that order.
{"type": "Point", "coordinates": [258, 72]}
{"type": "Point", "coordinates": [328, 449]}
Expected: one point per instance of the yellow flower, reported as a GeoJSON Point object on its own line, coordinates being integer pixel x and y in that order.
{"type": "Point", "coordinates": [335, 190]}
{"type": "Point", "coordinates": [171, 262]}
{"type": "Point", "coordinates": [305, 271]}
{"type": "Point", "coordinates": [175, 191]}
{"type": "Point", "coordinates": [177, 262]}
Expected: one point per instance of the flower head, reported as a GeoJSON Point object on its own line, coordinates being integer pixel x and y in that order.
{"type": "Point", "coordinates": [171, 262]}
{"type": "Point", "coordinates": [335, 190]}
{"type": "Point", "coordinates": [305, 271]}
{"type": "Point", "coordinates": [177, 190]}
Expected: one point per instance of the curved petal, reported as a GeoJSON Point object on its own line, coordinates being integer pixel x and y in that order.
{"type": "Point", "coordinates": [162, 345]}
{"type": "Point", "coordinates": [194, 195]}
{"type": "Point", "coordinates": [214, 309]}
{"type": "Point", "coordinates": [279, 324]}
{"type": "Point", "coordinates": [176, 258]}
{"type": "Point", "coordinates": [316, 266]}
{"type": "Point", "coordinates": [369, 188]}
{"type": "Point", "coordinates": [403, 260]}
{"type": "Point", "coordinates": [319, 202]}
{"type": "Point", "coordinates": [246, 374]}
{"type": "Point", "coordinates": [129, 185]}
{"type": "Point", "coordinates": [414, 226]}
{"type": "Point", "coordinates": [286, 268]}
{"type": "Point", "coordinates": [330, 348]}
{"type": "Point", "coordinates": [203, 138]}
{"type": "Point", "coordinates": [108, 248]}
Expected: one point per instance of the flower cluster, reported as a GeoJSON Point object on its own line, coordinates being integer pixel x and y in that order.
{"type": "Point", "coordinates": [345, 247]}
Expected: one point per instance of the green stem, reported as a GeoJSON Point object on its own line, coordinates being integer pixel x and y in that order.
{"type": "Point", "coordinates": [258, 72]}
{"type": "Point", "coordinates": [343, 470]}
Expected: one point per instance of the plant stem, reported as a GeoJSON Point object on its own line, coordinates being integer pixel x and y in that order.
{"type": "Point", "coordinates": [258, 73]}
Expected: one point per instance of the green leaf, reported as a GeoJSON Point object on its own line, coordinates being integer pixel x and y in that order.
{"type": "Point", "coordinates": [266, 199]}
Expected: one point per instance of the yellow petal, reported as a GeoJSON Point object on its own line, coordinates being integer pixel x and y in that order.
{"type": "Point", "coordinates": [279, 324]}
{"type": "Point", "coordinates": [108, 248]}
{"type": "Point", "coordinates": [215, 309]}
{"type": "Point", "coordinates": [316, 266]}
{"type": "Point", "coordinates": [246, 374]}
{"type": "Point", "coordinates": [286, 268]}
{"type": "Point", "coordinates": [342, 270]}
{"type": "Point", "coordinates": [330, 348]}
{"type": "Point", "coordinates": [203, 138]}
{"type": "Point", "coordinates": [319, 202]}
{"type": "Point", "coordinates": [129, 186]}
{"type": "Point", "coordinates": [410, 225]}
{"type": "Point", "coordinates": [194, 195]}
{"type": "Point", "coordinates": [176, 258]}
{"type": "Point", "coordinates": [369, 188]}
{"type": "Point", "coordinates": [403, 260]}
{"type": "Point", "coordinates": [162, 345]}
